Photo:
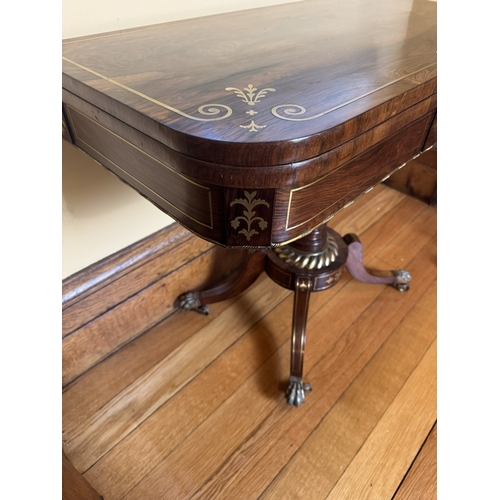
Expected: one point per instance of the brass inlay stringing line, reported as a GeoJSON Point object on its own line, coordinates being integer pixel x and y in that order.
{"type": "Point", "coordinates": [289, 228]}
{"type": "Point", "coordinates": [299, 110]}
{"type": "Point", "coordinates": [302, 110]}
{"type": "Point", "coordinates": [348, 204]}
{"type": "Point", "coordinates": [139, 149]}
{"type": "Point", "coordinates": [211, 111]}
{"type": "Point", "coordinates": [320, 179]}
{"type": "Point", "coordinates": [137, 180]}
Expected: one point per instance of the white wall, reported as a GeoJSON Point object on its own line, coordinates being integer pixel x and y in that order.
{"type": "Point", "coordinates": [101, 215]}
{"type": "Point", "coordinates": [97, 16]}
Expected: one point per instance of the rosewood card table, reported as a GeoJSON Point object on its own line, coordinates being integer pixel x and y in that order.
{"type": "Point", "coordinates": [252, 129]}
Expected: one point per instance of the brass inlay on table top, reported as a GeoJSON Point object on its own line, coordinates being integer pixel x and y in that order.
{"type": "Point", "coordinates": [253, 127]}
{"type": "Point", "coordinates": [293, 110]}
{"type": "Point", "coordinates": [250, 95]}
{"type": "Point", "coordinates": [210, 111]}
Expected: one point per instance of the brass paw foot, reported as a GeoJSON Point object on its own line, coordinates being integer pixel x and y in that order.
{"type": "Point", "coordinates": [402, 280]}
{"type": "Point", "coordinates": [191, 302]}
{"type": "Point", "coordinates": [296, 392]}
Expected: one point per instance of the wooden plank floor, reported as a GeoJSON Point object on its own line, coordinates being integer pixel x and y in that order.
{"type": "Point", "coordinates": [209, 420]}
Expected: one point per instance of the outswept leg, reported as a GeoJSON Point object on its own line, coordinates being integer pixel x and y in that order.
{"type": "Point", "coordinates": [400, 278]}
{"type": "Point", "coordinates": [313, 263]}
{"type": "Point", "coordinates": [235, 284]}
{"type": "Point", "coordinates": [297, 388]}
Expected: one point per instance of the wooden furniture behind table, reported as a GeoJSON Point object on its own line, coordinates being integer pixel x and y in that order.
{"type": "Point", "coordinates": [252, 129]}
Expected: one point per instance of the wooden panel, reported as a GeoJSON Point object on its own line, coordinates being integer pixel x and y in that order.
{"type": "Point", "coordinates": [228, 432]}
{"type": "Point", "coordinates": [261, 424]}
{"type": "Point", "coordinates": [74, 485]}
{"type": "Point", "coordinates": [311, 170]}
{"type": "Point", "coordinates": [88, 443]}
{"type": "Point", "coordinates": [283, 229]}
{"type": "Point", "coordinates": [429, 158]}
{"type": "Point", "coordinates": [387, 454]}
{"type": "Point", "coordinates": [264, 86]}
{"type": "Point", "coordinates": [102, 336]}
{"type": "Point", "coordinates": [177, 195]}
{"type": "Point", "coordinates": [421, 480]}
{"type": "Point", "coordinates": [245, 177]}
{"type": "Point", "coordinates": [432, 136]}
{"type": "Point", "coordinates": [66, 134]}
{"type": "Point", "coordinates": [308, 205]}
{"type": "Point", "coordinates": [322, 459]}
{"type": "Point", "coordinates": [416, 179]}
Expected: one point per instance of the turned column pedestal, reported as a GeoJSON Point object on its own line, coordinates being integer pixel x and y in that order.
{"type": "Point", "coordinates": [310, 264]}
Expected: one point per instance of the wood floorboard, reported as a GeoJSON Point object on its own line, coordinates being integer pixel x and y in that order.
{"type": "Point", "coordinates": [256, 461]}
{"type": "Point", "coordinates": [321, 460]}
{"type": "Point", "coordinates": [194, 408]}
{"type": "Point", "coordinates": [204, 394]}
{"type": "Point", "coordinates": [95, 388]}
{"type": "Point", "coordinates": [139, 400]}
{"type": "Point", "coordinates": [383, 460]}
{"type": "Point", "coordinates": [421, 481]}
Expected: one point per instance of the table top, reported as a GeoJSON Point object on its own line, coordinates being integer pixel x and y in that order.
{"type": "Point", "coordinates": [276, 117]}
{"type": "Point", "coordinates": [266, 86]}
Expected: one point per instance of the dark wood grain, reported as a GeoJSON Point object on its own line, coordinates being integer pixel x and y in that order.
{"type": "Point", "coordinates": [248, 176]}
{"type": "Point", "coordinates": [251, 268]}
{"type": "Point", "coordinates": [301, 298]}
{"type": "Point", "coordinates": [307, 105]}
{"type": "Point", "coordinates": [322, 55]}
{"type": "Point", "coordinates": [306, 206]}
{"type": "Point", "coordinates": [190, 202]}
{"type": "Point", "coordinates": [91, 279]}
{"type": "Point", "coordinates": [432, 135]}
{"type": "Point", "coordinates": [74, 485]}
{"type": "Point", "coordinates": [421, 480]}
{"type": "Point", "coordinates": [116, 311]}
{"type": "Point", "coordinates": [417, 179]}
{"type": "Point", "coordinates": [160, 173]}
{"type": "Point", "coordinates": [66, 135]}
